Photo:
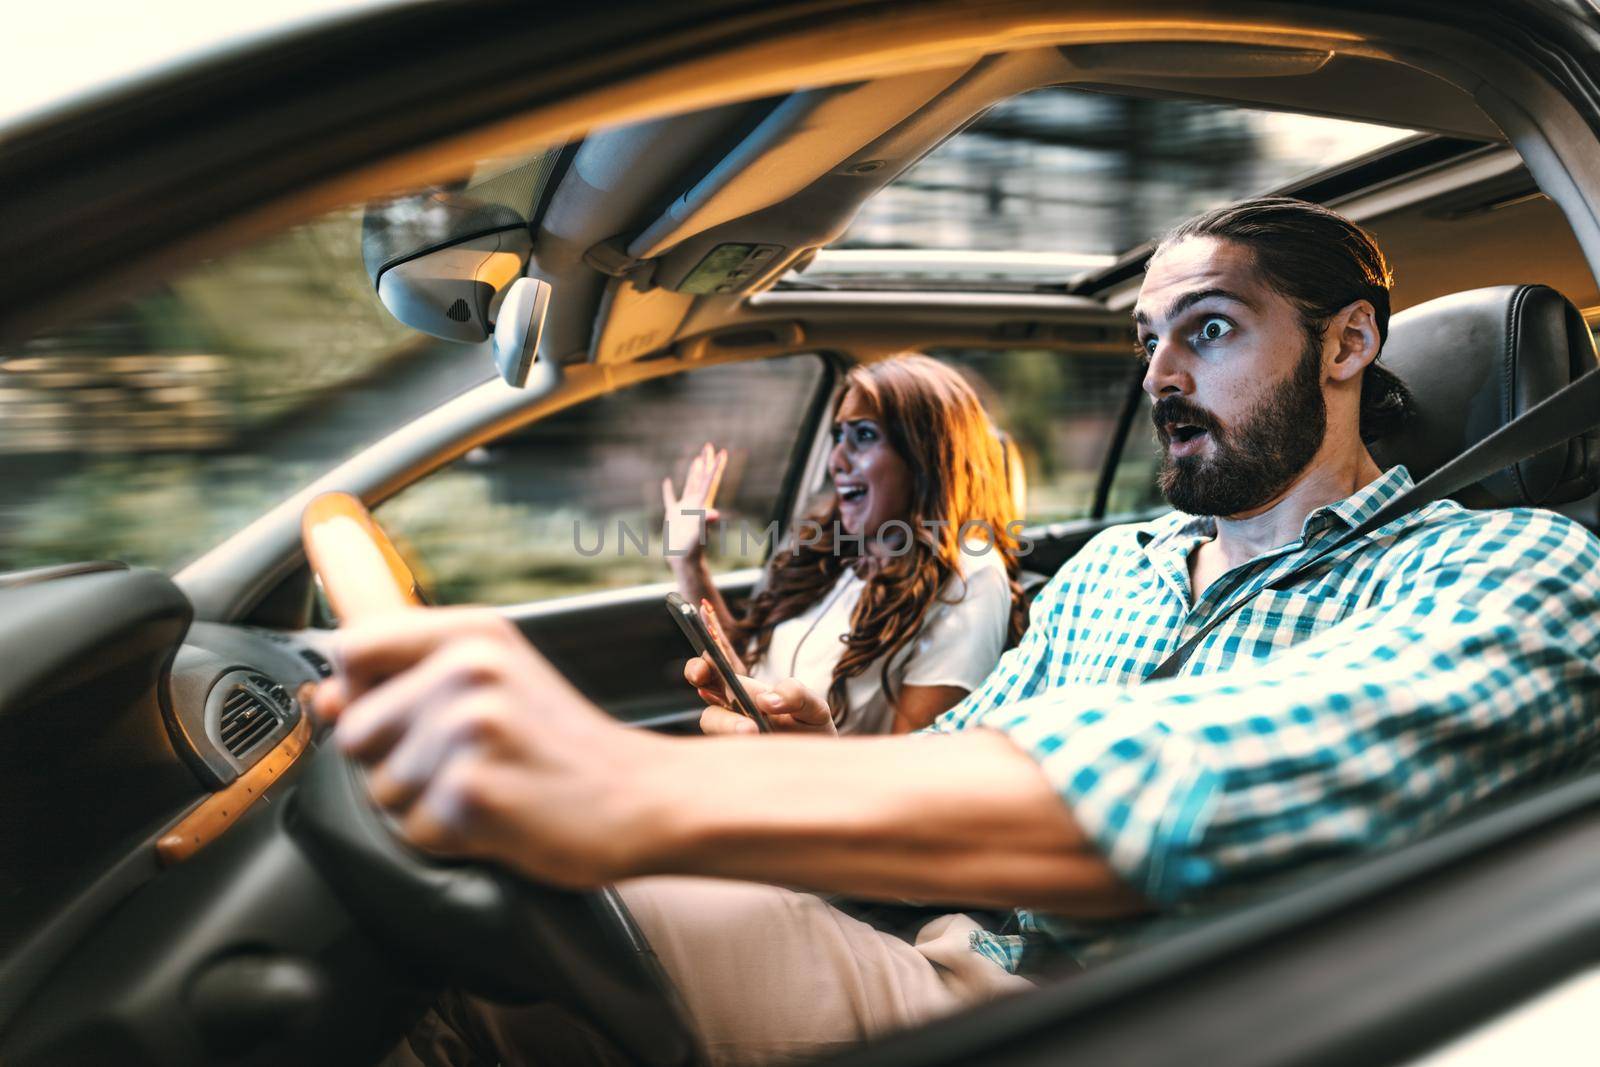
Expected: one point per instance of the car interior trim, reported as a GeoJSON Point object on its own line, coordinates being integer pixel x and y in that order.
{"type": "Point", "coordinates": [222, 809]}
{"type": "Point", "coordinates": [1461, 172]}
{"type": "Point", "coordinates": [606, 598]}
{"type": "Point", "coordinates": [34, 575]}
{"type": "Point", "coordinates": [816, 424]}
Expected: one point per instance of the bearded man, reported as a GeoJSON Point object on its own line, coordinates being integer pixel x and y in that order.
{"type": "Point", "coordinates": [1447, 657]}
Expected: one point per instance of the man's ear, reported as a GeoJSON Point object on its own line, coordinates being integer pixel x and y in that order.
{"type": "Point", "coordinates": [1355, 331]}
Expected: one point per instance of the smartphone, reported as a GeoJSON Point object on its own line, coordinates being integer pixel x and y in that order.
{"type": "Point", "coordinates": [694, 628]}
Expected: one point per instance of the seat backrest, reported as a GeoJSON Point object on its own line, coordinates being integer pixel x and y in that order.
{"type": "Point", "coordinates": [1473, 362]}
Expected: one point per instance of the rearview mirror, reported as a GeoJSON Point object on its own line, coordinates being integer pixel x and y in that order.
{"type": "Point", "coordinates": [444, 259]}
{"type": "Point", "coordinates": [518, 324]}
{"type": "Point", "coordinates": [451, 292]}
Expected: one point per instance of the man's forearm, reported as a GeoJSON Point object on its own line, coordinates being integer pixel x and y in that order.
{"type": "Point", "coordinates": [967, 819]}
{"type": "Point", "coordinates": [479, 748]}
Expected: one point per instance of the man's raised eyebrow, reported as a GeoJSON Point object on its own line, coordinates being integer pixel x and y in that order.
{"type": "Point", "coordinates": [1188, 300]}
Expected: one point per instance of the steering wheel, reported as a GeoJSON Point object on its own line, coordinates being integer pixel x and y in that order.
{"type": "Point", "coordinates": [477, 926]}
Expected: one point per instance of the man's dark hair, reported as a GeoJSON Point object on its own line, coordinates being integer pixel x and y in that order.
{"type": "Point", "coordinates": [1321, 262]}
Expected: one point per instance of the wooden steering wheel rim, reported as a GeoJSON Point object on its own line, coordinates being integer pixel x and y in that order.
{"type": "Point", "coordinates": [360, 570]}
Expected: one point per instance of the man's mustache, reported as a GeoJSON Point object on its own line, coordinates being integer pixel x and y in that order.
{"type": "Point", "coordinates": [1175, 409]}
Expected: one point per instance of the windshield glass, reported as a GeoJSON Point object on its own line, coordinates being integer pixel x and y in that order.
{"type": "Point", "coordinates": [1062, 181]}
{"type": "Point", "coordinates": [151, 431]}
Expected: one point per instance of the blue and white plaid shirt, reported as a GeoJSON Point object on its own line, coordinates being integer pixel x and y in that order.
{"type": "Point", "coordinates": [1445, 658]}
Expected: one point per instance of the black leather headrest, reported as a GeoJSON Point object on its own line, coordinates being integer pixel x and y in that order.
{"type": "Point", "coordinates": [1476, 360]}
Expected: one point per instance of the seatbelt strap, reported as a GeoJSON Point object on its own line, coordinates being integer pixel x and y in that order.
{"type": "Point", "coordinates": [1553, 421]}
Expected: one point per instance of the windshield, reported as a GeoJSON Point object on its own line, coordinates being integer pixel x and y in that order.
{"type": "Point", "coordinates": [149, 432]}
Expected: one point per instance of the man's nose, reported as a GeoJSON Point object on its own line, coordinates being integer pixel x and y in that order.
{"type": "Point", "coordinates": [1167, 373]}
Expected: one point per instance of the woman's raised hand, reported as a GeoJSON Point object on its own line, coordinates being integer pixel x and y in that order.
{"type": "Point", "coordinates": [684, 531]}
{"type": "Point", "coordinates": [789, 706]}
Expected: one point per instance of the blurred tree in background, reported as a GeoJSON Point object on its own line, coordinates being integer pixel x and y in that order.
{"type": "Point", "coordinates": [150, 431]}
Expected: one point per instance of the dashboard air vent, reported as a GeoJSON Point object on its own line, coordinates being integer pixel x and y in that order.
{"type": "Point", "coordinates": [318, 663]}
{"type": "Point", "coordinates": [250, 712]}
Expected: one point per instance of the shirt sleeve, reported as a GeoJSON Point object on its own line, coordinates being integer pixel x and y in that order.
{"type": "Point", "coordinates": [962, 641]}
{"type": "Point", "coordinates": [1472, 670]}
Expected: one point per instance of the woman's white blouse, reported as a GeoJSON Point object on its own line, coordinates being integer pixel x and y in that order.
{"type": "Point", "coordinates": [959, 645]}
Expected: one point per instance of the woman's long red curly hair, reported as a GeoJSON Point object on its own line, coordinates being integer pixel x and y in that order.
{"type": "Point", "coordinates": [934, 420]}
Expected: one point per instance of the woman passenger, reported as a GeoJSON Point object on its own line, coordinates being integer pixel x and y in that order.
{"type": "Point", "coordinates": [897, 597]}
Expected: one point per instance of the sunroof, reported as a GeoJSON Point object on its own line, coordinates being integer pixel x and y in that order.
{"type": "Point", "coordinates": [1072, 178]}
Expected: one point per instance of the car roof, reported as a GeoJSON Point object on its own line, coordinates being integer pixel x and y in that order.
{"type": "Point", "coordinates": [641, 205]}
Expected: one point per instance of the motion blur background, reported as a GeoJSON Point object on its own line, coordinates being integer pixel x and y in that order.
{"type": "Point", "coordinates": [152, 430]}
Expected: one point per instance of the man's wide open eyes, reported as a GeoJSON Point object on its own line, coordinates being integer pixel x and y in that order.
{"type": "Point", "coordinates": [1215, 329]}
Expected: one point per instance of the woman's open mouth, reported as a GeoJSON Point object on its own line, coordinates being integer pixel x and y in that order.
{"type": "Point", "coordinates": [852, 494]}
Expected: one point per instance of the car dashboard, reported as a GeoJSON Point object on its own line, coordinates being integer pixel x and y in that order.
{"type": "Point", "coordinates": [159, 904]}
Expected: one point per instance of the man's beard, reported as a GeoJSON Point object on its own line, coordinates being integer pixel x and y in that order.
{"type": "Point", "coordinates": [1255, 460]}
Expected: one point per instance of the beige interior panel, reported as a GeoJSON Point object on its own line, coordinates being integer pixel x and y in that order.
{"type": "Point", "coordinates": [1433, 254]}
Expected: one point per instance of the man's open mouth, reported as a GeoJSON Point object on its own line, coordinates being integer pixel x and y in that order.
{"type": "Point", "coordinates": [1183, 439]}
{"type": "Point", "coordinates": [1183, 432]}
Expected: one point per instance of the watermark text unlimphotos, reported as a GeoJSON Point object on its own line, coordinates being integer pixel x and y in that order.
{"type": "Point", "coordinates": [894, 537]}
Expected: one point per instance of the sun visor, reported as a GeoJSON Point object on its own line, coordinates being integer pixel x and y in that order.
{"type": "Point", "coordinates": [636, 323]}
{"type": "Point", "coordinates": [803, 139]}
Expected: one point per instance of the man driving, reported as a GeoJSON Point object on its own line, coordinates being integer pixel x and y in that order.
{"type": "Point", "coordinates": [1441, 660]}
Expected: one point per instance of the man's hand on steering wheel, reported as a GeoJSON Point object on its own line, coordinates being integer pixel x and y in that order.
{"type": "Point", "coordinates": [478, 748]}
{"type": "Point", "coordinates": [436, 704]}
